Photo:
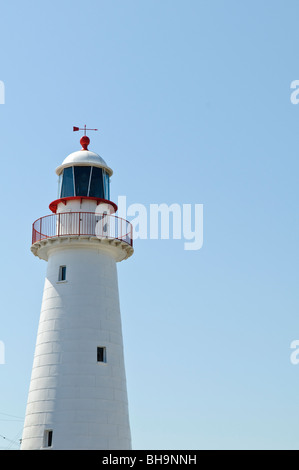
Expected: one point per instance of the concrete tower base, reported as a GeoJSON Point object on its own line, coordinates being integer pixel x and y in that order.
{"type": "Point", "coordinates": [78, 396]}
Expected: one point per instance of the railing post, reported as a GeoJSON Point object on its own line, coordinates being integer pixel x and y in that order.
{"type": "Point", "coordinates": [79, 222]}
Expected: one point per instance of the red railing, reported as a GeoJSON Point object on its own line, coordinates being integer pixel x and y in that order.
{"type": "Point", "coordinates": [82, 223]}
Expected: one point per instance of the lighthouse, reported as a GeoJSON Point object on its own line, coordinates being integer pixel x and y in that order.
{"type": "Point", "coordinates": [78, 395]}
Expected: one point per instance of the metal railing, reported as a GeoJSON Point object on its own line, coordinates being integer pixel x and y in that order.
{"type": "Point", "coordinates": [82, 223]}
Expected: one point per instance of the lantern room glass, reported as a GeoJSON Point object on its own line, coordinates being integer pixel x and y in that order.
{"type": "Point", "coordinates": [82, 177]}
{"type": "Point", "coordinates": [67, 187]}
{"type": "Point", "coordinates": [85, 181]}
{"type": "Point", "coordinates": [96, 184]}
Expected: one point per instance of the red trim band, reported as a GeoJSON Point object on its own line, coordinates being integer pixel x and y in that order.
{"type": "Point", "coordinates": [54, 204]}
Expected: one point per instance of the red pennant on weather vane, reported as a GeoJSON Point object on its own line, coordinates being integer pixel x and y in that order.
{"type": "Point", "coordinates": [84, 141]}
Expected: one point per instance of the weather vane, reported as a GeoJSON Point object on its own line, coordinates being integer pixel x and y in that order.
{"type": "Point", "coordinates": [84, 141]}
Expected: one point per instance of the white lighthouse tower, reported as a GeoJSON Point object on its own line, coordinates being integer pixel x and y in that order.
{"type": "Point", "coordinates": [78, 396]}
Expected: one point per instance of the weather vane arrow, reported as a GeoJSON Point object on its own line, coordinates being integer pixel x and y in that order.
{"type": "Point", "coordinates": [84, 141]}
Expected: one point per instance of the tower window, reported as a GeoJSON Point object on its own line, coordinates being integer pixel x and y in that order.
{"type": "Point", "coordinates": [101, 354]}
{"type": "Point", "coordinates": [48, 438]}
{"type": "Point", "coordinates": [62, 273]}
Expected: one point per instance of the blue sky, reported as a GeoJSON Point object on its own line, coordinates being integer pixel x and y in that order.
{"type": "Point", "coordinates": [192, 102]}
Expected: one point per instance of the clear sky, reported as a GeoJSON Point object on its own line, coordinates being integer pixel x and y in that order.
{"type": "Point", "coordinates": [192, 100]}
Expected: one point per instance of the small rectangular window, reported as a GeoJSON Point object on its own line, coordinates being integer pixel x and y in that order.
{"type": "Point", "coordinates": [101, 354]}
{"type": "Point", "coordinates": [48, 438]}
{"type": "Point", "coordinates": [62, 273]}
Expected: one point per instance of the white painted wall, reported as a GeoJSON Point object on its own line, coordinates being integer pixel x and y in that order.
{"type": "Point", "coordinates": [84, 402]}
{"type": "Point", "coordinates": [86, 205]}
